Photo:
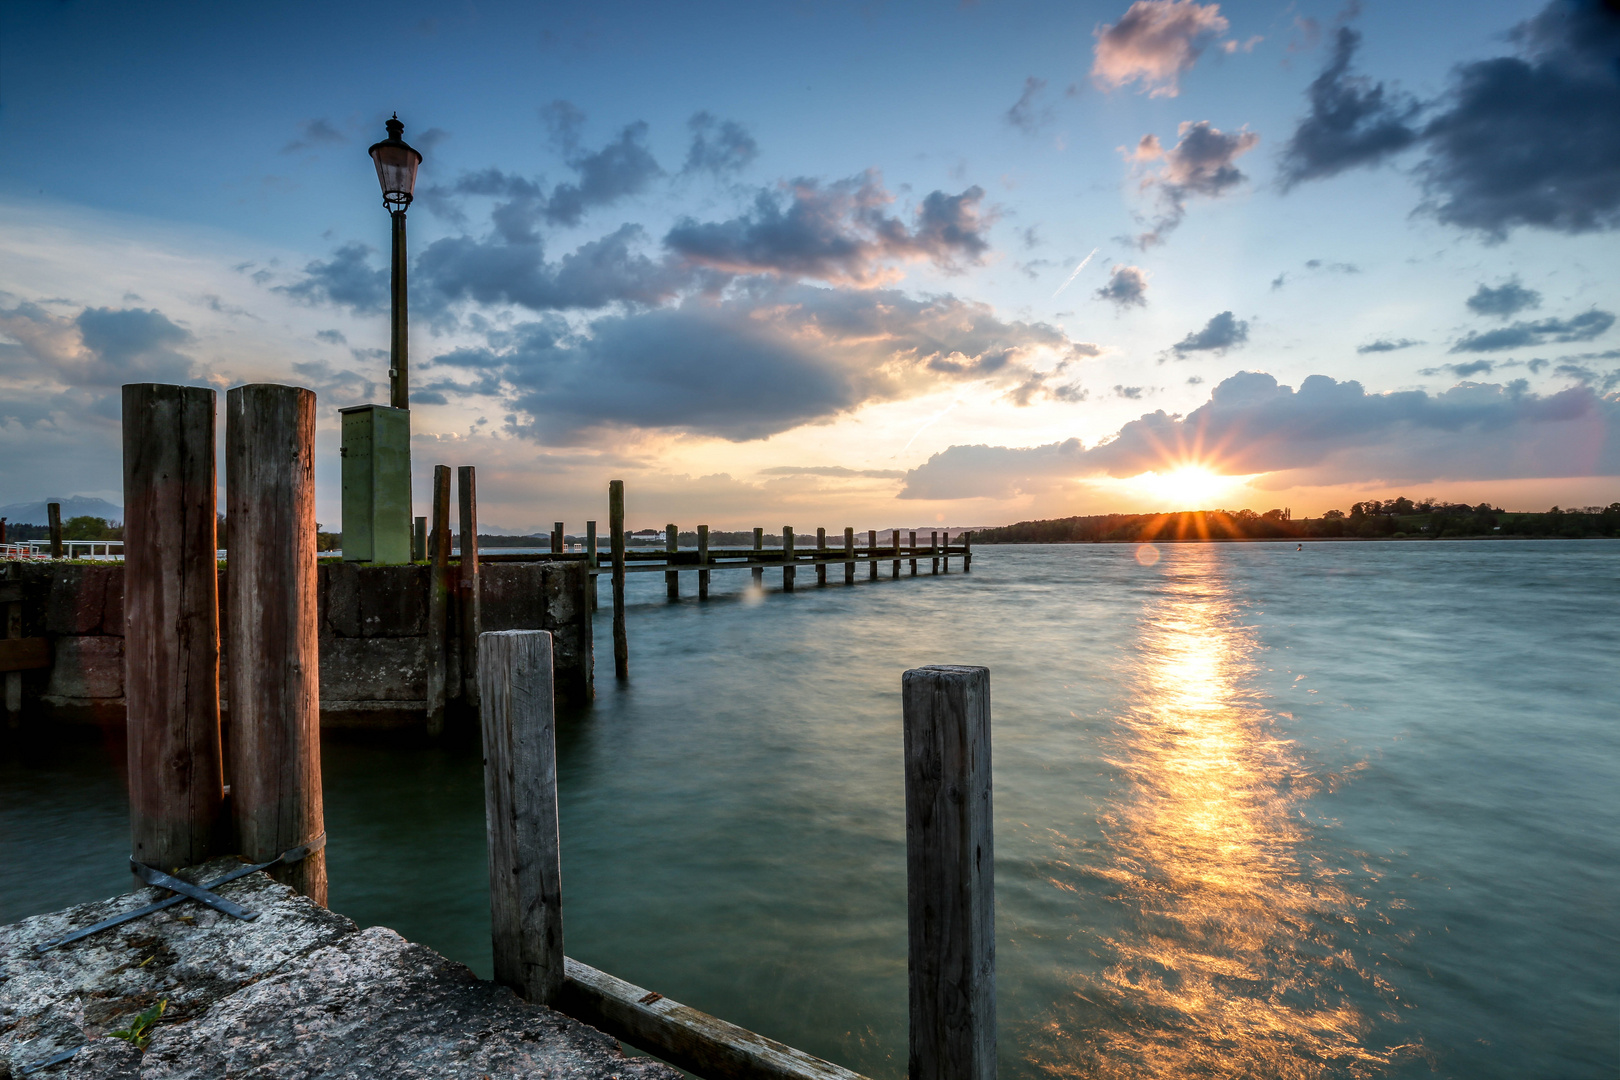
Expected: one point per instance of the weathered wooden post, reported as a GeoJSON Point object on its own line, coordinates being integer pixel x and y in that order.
{"type": "Point", "coordinates": [621, 643]}
{"type": "Point", "coordinates": [821, 557]}
{"type": "Point", "coordinates": [787, 558]}
{"type": "Point", "coordinates": [945, 552]}
{"type": "Point", "coordinates": [439, 596]}
{"type": "Point", "coordinates": [849, 555]}
{"type": "Point", "coordinates": [703, 562]}
{"type": "Point", "coordinates": [967, 552]}
{"type": "Point", "coordinates": [467, 583]}
{"type": "Point", "coordinates": [418, 539]}
{"type": "Point", "coordinates": [913, 552]}
{"type": "Point", "coordinates": [593, 560]}
{"type": "Point", "coordinates": [759, 549]}
{"type": "Point", "coordinates": [871, 555]}
{"type": "Point", "coordinates": [950, 873]}
{"type": "Point", "coordinates": [672, 577]}
{"type": "Point", "coordinates": [894, 569]}
{"type": "Point", "coordinates": [933, 547]}
{"type": "Point", "coordinates": [53, 514]}
{"type": "Point", "coordinates": [520, 811]}
{"type": "Point", "coordinates": [171, 616]}
{"type": "Point", "coordinates": [275, 744]}
{"type": "Point", "coordinates": [557, 535]}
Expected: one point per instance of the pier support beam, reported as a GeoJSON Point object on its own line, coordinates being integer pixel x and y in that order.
{"type": "Point", "coordinates": [945, 552]}
{"type": "Point", "coordinates": [467, 582]}
{"type": "Point", "coordinates": [672, 578]}
{"type": "Point", "coordinates": [849, 555]}
{"type": "Point", "coordinates": [821, 556]}
{"type": "Point", "coordinates": [871, 555]}
{"type": "Point", "coordinates": [520, 811]}
{"type": "Point", "coordinates": [592, 560]}
{"type": "Point", "coordinates": [759, 545]}
{"type": "Point", "coordinates": [171, 610]}
{"type": "Point", "coordinates": [950, 874]}
{"type": "Point", "coordinates": [913, 552]}
{"type": "Point", "coordinates": [967, 552]}
{"type": "Point", "coordinates": [894, 570]}
{"type": "Point", "coordinates": [439, 598]}
{"type": "Point", "coordinates": [621, 644]}
{"type": "Point", "coordinates": [933, 547]}
{"type": "Point", "coordinates": [275, 745]}
{"type": "Point", "coordinates": [557, 542]}
{"type": "Point", "coordinates": [788, 569]}
{"type": "Point", "coordinates": [703, 562]}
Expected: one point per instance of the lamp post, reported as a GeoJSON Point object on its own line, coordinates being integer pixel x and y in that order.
{"type": "Point", "coordinates": [396, 171]}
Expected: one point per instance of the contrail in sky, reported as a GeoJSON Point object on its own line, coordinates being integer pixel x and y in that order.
{"type": "Point", "coordinates": [1076, 273]}
{"type": "Point", "coordinates": [930, 423]}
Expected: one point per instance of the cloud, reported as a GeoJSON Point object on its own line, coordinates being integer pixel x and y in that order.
{"type": "Point", "coordinates": [1222, 332]}
{"type": "Point", "coordinates": [1387, 345]}
{"type": "Point", "coordinates": [1201, 163]}
{"type": "Point", "coordinates": [314, 133]}
{"type": "Point", "coordinates": [1466, 370]}
{"type": "Point", "coordinates": [331, 337]}
{"type": "Point", "coordinates": [97, 349]}
{"type": "Point", "coordinates": [1332, 267]}
{"type": "Point", "coordinates": [1134, 393]}
{"type": "Point", "coordinates": [346, 280]}
{"type": "Point", "coordinates": [1154, 44]}
{"type": "Point", "coordinates": [1325, 432]}
{"type": "Point", "coordinates": [1531, 140]}
{"type": "Point", "coordinates": [837, 471]}
{"type": "Point", "coordinates": [837, 232]}
{"type": "Point", "coordinates": [1127, 287]}
{"type": "Point", "coordinates": [1352, 121]}
{"type": "Point", "coordinates": [1520, 335]}
{"type": "Point", "coordinates": [756, 363]}
{"type": "Point", "coordinates": [1506, 299]}
{"type": "Point", "coordinates": [718, 146]}
{"type": "Point", "coordinates": [621, 168]}
{"type": "Point", "coordinates": [1024, 114]}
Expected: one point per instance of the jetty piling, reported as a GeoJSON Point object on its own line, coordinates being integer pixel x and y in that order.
{"type": "Point", "coordinates": [439, 596]}
{"type": "Point", "coordinates": [557, 534]}
{"type": "Point", "coordinates": [621, 644]}
{"type": "Point", "coordinates": [703, 562]}
{"type": "Point", "coordinates": [171, 645]}
{"type": "Point", "coordinates": [788, 569]}
{"type": "Point", "coordinates": [950, 874]}
{"type": "Point", "coordinates": [672, 578]}
{"type": "Point", "coordinates": [520, 811]}
{"type": "Point", "coordinates": [913, 552]}
{"type": "Point", "coordinates": [593, 559]}
{"type": "Point", "coordinates": [871, 555]}
{"type": "Point", "coordinates": [467, 582]}
{"type": "Point", "coordinates": [275, 701]}
{"type": "Point", "coordinates": [849, 555]}
{"type": "Point", "coordinates": [759, 548]}
{"type": "Point", "coordinates": [53, 515]}
{"type": "Point", "coordinates": [894, 570]}
{"type": "Point", "coordinates": [821, 558]}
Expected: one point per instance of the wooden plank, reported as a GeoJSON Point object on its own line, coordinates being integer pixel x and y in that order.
{"type": "Point", "coordinates": [681, 1035]}
{"type": "Point", "coordinates": [821, 555]}
{"type": "Point", "coordinates": [788, 569]}
{"type": "Point", "coordinates": [672, 578]}
{"type": "Point", "coordinates": [24, 654]}
{"type": "Point", "coordinates": [621, 643]}
{"type": "Point", "coordinates": [520, 811]}
{"type": "Point", "coordinates": [849, 555]}
{"type": "Point", "coordinates": [171, 612]}
{"type": "Point", "coordinates": [950, 873]}
{"type": "Point", "coordinates": [703, 561]}
{"type": "Point", "coordinates": [275, 744]}
{"type": "Point", "coordinates": [469, 601]}
{"type": "Point", "coordinates": [439, 602]}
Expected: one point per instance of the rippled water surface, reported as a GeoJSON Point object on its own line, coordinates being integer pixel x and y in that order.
{"type": "Point", "coordinates": [1343, 812]}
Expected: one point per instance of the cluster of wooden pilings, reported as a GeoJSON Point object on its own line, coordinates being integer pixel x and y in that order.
{"type": "Point", "coordinates": [182, 812]}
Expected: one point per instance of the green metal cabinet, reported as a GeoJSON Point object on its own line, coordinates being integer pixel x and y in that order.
{"type": "Point", "coordinates": [376, 484]}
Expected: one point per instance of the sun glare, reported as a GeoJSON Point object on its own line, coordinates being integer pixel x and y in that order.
{"type": "Point", "coordinates": [1188, 487]}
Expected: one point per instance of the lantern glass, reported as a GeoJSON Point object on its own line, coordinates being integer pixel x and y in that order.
{"type": "Point", "coordinates": [396, 167]}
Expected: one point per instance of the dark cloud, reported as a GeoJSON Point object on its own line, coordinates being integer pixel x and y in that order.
{"type": "Point", "coordinates": [1520, 335]}
{"type": "Point", "coordinates": [347, 280]}
{"type": "Point", "coordinates": [836, 232]}
{"type": "Point", "coordinates": [1466, 370]}
{"type": "Point", "coordinates": [1506, 299]}
{"type": "Point", "coordinates": [1325, 432]}
{"type": "Point", "coordinates": [718, 146]}
{"type": "Point", "coordinates": [1201, 163]}
{"type": "Point", "coordinates": [1127, 287]}
{"type": "Point", "coordinates": [1387, 345]}
{"type": "Point", "coordinates": [314, 133]}
{"type": "Point", "coordinates": [1352, 121]}
{"type": "Point", "coordinates": [621, 168]}
{"type": "Point", "coordinates": [1155, 43]}
{"type": "Point", "coordinates": [1222, 332]}
{"type": "Point", "coordinates": [1531, 140]}
{"type": "Point", "coordinates": [99, 348]}
{"type": "Point", "coordinates": [755, 363]}
{"type": "Point", "coordinates": [1024, 113]}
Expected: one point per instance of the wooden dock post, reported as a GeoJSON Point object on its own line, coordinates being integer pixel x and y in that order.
{"type": "Point", "coordinates": [520, 811]}
{"type": "Point", "coordinates": [821, 558]}
{"type": "Point", "coordinates": [950, 873]}
{"type": "Point", "coordinates": [593, 561]}
{"type": "Point", "coordinates": [467, 582]}
{"type": "Point", "coordinates": [788, 569]}
{"type": "Point", "coordinates": [759, 546]}
{"type": "Point", "coordinates": [967, 552]}
{"type": "Point", "coordinates": [557, 534]}
{"type": "Point", "coordinates": [171, 616]}
{"type": "Point", "coordinates": [913, 552]}
{"type": "Point", "coordinates": [672, 578]}
{"type": "Point", "coordinates": [439, 596]}
{"type": "Point", "coordinates": [53, 514]}
{"type": "Point", "coordinates": [418, 539]}
{"type": "Point", "coordinates": [849, 555]}
{"type": "Point", "coordinates": [894, 570]}
{"type": "Point", "coordinates": [621, 643]}
{"type": "Point", "coordinates": [275, 744]}
{"type": "Point", "coordinates": [871, 553]}
{"type": "Point", "coordinates": [703, 562]}
{"type": "Point", "coordinates": [933, 547]}
{"type": "Point", "coordinates": [945, 552]}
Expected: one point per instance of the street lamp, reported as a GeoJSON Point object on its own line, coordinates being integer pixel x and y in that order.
{"type": "Point", "coordinates": [396, 171]}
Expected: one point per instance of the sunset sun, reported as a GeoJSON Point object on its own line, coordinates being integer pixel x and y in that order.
{"type": "Point", "coordinates": [1187, 487]}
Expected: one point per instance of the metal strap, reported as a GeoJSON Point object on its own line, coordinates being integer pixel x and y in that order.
{"type": "Point", "coordinates": [288, 857]}
{"type": "Point", "coordinates": [168, 881]}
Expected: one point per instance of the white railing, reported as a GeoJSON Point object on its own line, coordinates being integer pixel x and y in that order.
{"type": "Point", "coordinates": [112, 550]}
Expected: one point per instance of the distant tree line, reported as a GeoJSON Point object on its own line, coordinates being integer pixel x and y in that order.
{"type": "Point", "coordinates": [1399, 518]}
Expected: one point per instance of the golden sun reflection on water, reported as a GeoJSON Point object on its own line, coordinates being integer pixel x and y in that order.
{"type": "Point", "coordinates": [1221, 958]}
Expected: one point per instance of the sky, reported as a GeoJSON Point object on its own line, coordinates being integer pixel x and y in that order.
{"type": "Point", "coordinates": [869, 264]}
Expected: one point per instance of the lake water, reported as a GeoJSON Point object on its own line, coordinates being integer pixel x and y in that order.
{"type": "Point", "coordinates": [1348, 811]}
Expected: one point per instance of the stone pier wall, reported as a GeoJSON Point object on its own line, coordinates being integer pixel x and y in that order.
{"type": "Point", "coordinates": [373, 636]}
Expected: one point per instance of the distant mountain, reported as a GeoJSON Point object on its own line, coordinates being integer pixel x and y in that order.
{"type": "Point", "coordinates": [34, 513]}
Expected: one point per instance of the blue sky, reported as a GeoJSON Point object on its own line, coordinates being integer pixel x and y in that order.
{"type": "Point", "coordinates": [806, 263]}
